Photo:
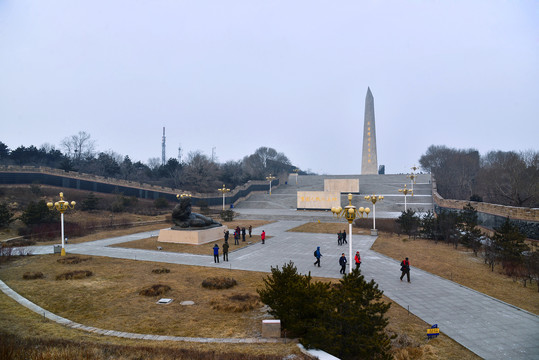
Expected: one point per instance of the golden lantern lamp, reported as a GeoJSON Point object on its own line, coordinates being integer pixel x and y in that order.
{"type": "Point", "coordinates": [406, 191]}
{"type": "Point", "coordinates": [61, 206]}
{"type": "Point", "coordinates": [270, 178]}
{"type": "Point", "coordinates": [223, 191]}
{"type": "Point", "coordinates": [350, 213]}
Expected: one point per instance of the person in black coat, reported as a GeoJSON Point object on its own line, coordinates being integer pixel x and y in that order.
{"type": "Point", "coordinates": [342, 262]}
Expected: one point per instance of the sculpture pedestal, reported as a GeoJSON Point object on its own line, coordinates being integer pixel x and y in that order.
{"type": "Point", "coordinates": [195, 237]}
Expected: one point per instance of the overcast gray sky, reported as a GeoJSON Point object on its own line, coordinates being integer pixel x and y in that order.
{"type": "Point", "coordinates": [292, 75]}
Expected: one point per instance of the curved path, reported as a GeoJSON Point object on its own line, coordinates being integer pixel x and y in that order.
{"type": "Point", "coordinates": [489, 327]}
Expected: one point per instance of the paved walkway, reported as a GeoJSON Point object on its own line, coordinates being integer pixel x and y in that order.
{"type": "Point", "coordinates": [490, 328]}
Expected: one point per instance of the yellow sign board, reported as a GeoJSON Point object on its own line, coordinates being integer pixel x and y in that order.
{"type": "Point", "coordinates": [433, 331]}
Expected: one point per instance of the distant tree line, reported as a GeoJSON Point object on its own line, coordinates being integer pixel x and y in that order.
{"type": "Point", "coordinates": [197, 173]}
{"type": "Point", "coordinates": [506, 247]}
{"type": "Point", "coordinates": [499, 177]}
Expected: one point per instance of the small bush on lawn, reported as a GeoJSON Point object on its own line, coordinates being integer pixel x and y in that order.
{"type": "Point", "coordinates": [161, 271]}
{"type": "Point", "coordinates": [155, 290]}
{"type": "Point", "coordinates": [74, 275]}
{"type": "Point", "coordinates": [32, 275]}
{"type": "Point", "coordinates": [219, 283]}
{"type": "Point", "coordinates": [227, 215]}
{"type": "Point", "coordinates": [72, 260]}
{"type": "Point", "coordinates": [236, 303]}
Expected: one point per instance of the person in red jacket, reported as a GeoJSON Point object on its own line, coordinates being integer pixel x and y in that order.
{"type": "Point", "coordinates": [405, 269]}
{"type": "Point", "coordinates": [263, 236]}
{"type": "Point", "coordinates": [358, 260]}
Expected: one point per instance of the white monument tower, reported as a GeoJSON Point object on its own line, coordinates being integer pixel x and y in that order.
{"type": "Point", "coordinates": [369, 160]}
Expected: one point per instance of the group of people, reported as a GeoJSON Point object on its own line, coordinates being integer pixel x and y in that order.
{"type": "Point", "coordinates": [237, 233]}
{"type": "Point", "coordinates": [341, 238]}
{"type": "Point", "coordinates": [343, 261]}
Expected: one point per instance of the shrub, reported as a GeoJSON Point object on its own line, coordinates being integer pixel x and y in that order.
{"type": "Point", "coordinates": [155, 290]}
{"type": "Point", "coordinates": [204, 208]}
{"type": "Point", "coordinates": [19, 242]}
{"type": "Point", "coordinates": [219, 283]}
{"type": "Point", "coordinates": [72, 260]}
{"type": "Point", "coordinates": [160, 203]}
{"type": "Point", "coordinates": [161, 271]}
{"type": "Point", "coordinates": [227, 215]}
{"type": "Point", "coordinates": [33, 276]}
{"type": "Point", "coordinates": [90, 203]}
{"type": "Point", "coordinates": [74, 275]}
{"type": "Point", "coordinates": [236, 303]}
{"type": "Point", "coordinates": [5, 215]}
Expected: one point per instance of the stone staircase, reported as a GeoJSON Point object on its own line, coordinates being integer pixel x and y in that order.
{"type": "Point", "coordinates": [284, 196]}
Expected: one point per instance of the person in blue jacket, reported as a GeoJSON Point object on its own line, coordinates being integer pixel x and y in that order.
{"type": "Point", "coordinates": [317, 255]}
{"type": "Point", "coordinates": [216, 253]}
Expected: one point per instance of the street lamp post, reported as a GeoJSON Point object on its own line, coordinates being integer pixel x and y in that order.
{"type": "Point", "coordinates": [270, 178]}
{"type": "Point", "coordinates": [223, 190]}
{"type": "Point", "coordinates": [406, 191]}
{"type": "Point", "coordinates": [350, 213]}
{"type": "Point", "coordinates": [412, 178]}
{"type": "Point", "coordinates": [296, 170]}
{"type": "Point", "coordinates": [62, 206]}
{"type": "Point", "coordinates": [373, 199]}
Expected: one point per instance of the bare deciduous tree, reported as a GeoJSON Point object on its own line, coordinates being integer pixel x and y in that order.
{"type": "Point", "coordinates": [79, 146]}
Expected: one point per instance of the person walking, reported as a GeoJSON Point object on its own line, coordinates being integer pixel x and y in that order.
{"type": "Point", "coordinates": [243, 234]}
{"type": "Point", "coordinates": [227, 234]}
{"type": "Point", "coordinates": [342, 262]}
{"type": "Point", "coordinates": [225, 251]}
{"type": "Point", "coordinates": [405, 269]}
{"type": "Point", "coordinates": [263, 237]}
{"type": "Point", "coordinates": [236, 237]}
{"type": "Point", "coordinates": [357, 258]}
{"type": "Point", "coordinates": [250, 230]}
{"type": "Point", "coordinates": [216, 253]}
{"type": "Point", "coordinates": [343, 236]}
{"type": "Point", "coordinates": [317, 255]}
{"type": "Point", "coordinates": [339, 238]}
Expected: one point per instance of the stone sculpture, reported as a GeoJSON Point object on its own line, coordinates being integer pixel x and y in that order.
{"type": "Point", "coordinates": [184, 219]}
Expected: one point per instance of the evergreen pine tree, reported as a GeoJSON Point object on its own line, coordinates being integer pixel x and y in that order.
{"type": "Point", "coordinates": [354, 321]}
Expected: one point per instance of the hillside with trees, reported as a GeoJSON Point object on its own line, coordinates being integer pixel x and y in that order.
{"type": "Point", "coordinates": [198, 172]}
{"type": "Point", "coordinates": [498, 177]}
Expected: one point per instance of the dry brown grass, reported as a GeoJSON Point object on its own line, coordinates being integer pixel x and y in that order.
{"type": "Point", "coordinates": [28, 325]}
{"type": "Point", "coordinates": [203, 249]}
{"type": "Point", "coordinates": [328, 228]}
{"type": "Point", "coordinates": [460, 266]}
{"type": "Point", "coordinates": [110, 300]}
{"type": "Point", "coordinates": [236, 303]}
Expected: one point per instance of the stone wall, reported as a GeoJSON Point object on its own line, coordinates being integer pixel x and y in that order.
{"type": "Point", "coordinates": [342, 185]}
{"type": "Point", "coordinates": [492, 216]}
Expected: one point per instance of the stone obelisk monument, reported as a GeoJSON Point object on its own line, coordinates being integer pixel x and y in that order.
{"type": "Point", "coordinates": [369, 160]}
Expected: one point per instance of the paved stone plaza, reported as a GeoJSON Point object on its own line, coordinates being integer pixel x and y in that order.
{"type": "Point", "coordinates": [490, 328]}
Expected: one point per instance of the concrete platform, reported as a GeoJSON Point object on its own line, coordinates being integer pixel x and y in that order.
{"type": "Point", "coordinates": [196, 237]}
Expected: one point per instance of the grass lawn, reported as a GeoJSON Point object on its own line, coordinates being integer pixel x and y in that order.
{"type": "Point", "coordinates": [110, 299]}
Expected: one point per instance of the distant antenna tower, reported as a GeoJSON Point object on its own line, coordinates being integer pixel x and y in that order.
{"type": "Point", "coordinates": [163, 150]}
{"type": "Point", "coordinates": [213, 154]}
